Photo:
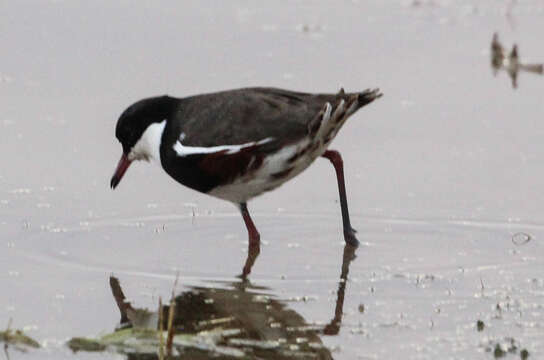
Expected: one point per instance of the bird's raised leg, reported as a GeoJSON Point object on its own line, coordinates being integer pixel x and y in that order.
{"type": "Point", "coordinates": [336, 160]}
{"type": "Point", "coordinates": [254, 245]}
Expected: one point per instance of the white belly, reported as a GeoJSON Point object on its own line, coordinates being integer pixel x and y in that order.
{"type": "Point", "coordinates": [263, 179]}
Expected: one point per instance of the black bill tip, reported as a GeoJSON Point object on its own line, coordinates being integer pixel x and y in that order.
{"type": "Point", "coordinates": [122, 167]}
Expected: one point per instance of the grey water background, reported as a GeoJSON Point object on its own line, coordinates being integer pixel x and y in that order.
{"type": "Point", "coordinates": [441, 172]}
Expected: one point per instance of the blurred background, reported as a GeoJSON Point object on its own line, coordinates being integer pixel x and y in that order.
{"type": "Point", "coordinates": [441, 172]}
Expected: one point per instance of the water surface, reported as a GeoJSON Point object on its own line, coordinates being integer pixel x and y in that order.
{"type": "Point", "coordinates": [441, 172]}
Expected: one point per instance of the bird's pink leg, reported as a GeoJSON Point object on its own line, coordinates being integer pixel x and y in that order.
{"type": "Point", "coordinates": [254, 245]}
{"type": "Point", "coordinates": [336, 160]}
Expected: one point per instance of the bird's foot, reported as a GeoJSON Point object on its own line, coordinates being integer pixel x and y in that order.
{"type": "Point", "coordinates": [332, 329]}
{"type": "Point", "coordinates": [350, 238]}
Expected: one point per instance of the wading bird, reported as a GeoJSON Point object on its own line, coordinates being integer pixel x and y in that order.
{"type": "Point", "coordinates": [238, 144]}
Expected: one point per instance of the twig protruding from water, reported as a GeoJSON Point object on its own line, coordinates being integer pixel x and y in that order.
{"type": "Point", "coordinates": [161, 328]}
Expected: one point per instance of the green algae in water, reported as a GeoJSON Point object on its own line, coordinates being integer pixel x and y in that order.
{"type": "Point", "coordinates": [498, 352]}
{"type": "Point", "coordinates": [129, 338]}
{"type": "Point", "coordinates": [146, 341]}
{"type": "Point", "coordinates": [82, 344]}
{"type": "Point", "coordinates": [17, 338]}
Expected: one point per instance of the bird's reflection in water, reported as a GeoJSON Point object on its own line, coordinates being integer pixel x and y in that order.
{"type": "Point", "coordinates": [511, 63]}
{"type": "Point", "coordinates": [252, 323]}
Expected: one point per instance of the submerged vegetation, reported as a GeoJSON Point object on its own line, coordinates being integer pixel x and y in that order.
{"type": "Point", "coordinates": [17, 339]}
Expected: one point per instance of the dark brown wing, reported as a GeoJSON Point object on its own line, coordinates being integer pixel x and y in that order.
{"type": "Point", "coordinates": [244, 116]}
{"type": "Point", "coordinates": [248, 115]}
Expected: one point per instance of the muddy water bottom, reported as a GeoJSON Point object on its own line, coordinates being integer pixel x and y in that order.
{"type": "Point", "coordinates": [422, 284]}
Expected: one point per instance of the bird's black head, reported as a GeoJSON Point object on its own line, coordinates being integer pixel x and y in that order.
{"type": "Point", "coordinates": [137, 117]}
{"type": "Point", "coordinates": [133, 124]}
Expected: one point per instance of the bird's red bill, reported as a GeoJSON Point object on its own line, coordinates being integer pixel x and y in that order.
{"type": "Point", "coordinates": [122, 167]}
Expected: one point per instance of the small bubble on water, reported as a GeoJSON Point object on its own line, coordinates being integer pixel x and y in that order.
{"type": "Point", "coordinates": [358, 331]}
{"type": "Point", "coordinates": [30, 327]}
{"type": "Point", "coordinates": [444, 20]}
{"type": "Point", "coordinates": [287, 76]}
{"type": "Point", "coordinates": [269, 27]}
{"type": "Point", "coordinates": [5, 79]}
{"type": "Point", "coordinates": [521, 238]}
{"type": "Point", "coordinates": [407, 103]}
{"type": "Point", "coordinates": [21, 191]}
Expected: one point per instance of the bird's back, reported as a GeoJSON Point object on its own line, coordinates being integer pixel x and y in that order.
{"type": "Point", "coordinates": [248, 115]}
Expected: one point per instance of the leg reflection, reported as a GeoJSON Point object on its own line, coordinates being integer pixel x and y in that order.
{"type": "Point", "coordinates": [6, 352]}
{"type": "Point", "coordinates": [252, 254]}
{"type": "Point", "coordinates": [334, 325]}
{"type": "Point", "coordinates": [254, 241]}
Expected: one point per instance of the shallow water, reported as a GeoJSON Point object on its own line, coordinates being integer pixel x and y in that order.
{"type": "Point", "coordinates": [441, 172]}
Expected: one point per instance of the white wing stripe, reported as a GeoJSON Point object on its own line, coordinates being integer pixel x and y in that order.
{"type": "Point", "coordinates": [184, 150]}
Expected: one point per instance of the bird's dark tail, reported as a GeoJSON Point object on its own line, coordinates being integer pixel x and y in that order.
{"type": "Point", "coordinates": [336, 111]}
{"type": "Point", "coordinates": [355, 101]}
